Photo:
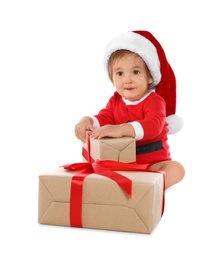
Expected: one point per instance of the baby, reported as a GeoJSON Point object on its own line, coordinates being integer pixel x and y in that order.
{"type": "Point", "coordinates": [143, 104]}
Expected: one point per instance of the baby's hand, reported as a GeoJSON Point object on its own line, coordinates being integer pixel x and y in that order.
{"type": "Point", "coordinates": [84, 125]}
{"type": "Point", "coordinates": [115, 131]}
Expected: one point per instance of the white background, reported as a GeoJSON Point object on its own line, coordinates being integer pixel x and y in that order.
{"type": "Point", "coordinates": [51, 75]}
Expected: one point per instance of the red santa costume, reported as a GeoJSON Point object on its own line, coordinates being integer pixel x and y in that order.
{"type": "Point", "coordinates": [152, 117]}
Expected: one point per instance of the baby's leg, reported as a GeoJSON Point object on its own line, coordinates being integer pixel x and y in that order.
{"type": "Point", "coordinates": [173, 169]}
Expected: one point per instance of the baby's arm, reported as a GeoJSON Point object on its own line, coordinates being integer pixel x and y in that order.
{"type": "Point", "coordinates": [114, 131]}
{"type": "Point", "coordinates": [84, 125]}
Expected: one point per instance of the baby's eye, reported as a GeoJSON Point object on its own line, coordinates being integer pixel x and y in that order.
{"type": "Point", "coordinates": [136, 72]}
{"type": "Point", "coordinates": [119, 73]}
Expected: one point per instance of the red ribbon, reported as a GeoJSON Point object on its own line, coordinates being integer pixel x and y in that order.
{"type": "Point", "coordinates": [87, 153]}
{"type": "Point", "coordinates": [104, 168]}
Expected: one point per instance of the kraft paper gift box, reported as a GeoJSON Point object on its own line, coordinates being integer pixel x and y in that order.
{"type": "Point", "coordinates": [104, 203]}
{"type": "Point", "coordinates": [118, 149]}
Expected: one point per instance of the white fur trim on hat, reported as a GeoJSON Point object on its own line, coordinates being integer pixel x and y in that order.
{"type": "Point", "coordinates": [175, 123]}
{"type": "Point", "coordinates": [143, 47]}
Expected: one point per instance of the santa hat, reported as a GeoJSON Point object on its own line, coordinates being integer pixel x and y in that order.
{"type": "Point", "coordinates": [149, 49]}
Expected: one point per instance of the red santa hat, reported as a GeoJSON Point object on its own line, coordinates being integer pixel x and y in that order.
{"type": "Point", "coordinates": [164, 82]}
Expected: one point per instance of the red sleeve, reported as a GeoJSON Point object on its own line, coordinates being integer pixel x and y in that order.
{"type": "Point", "coordinates": [106, 115]}
{"type": "Point", "coordinates": [154, 118]}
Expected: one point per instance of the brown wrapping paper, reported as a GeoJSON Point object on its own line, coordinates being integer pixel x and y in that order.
{"type": "Point", "coordinates": [105, 205]}
{"type": "Point", "coordinates": [117, 149]}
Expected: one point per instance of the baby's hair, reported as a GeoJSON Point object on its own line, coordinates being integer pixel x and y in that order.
{"type": "Point", "coordinates": [118, 55]}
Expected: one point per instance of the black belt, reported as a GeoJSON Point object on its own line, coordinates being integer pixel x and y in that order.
{"type": "Point", "coordinates": [148, 148]}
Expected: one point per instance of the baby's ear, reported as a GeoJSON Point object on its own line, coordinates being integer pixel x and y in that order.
{"type": "Point", "coordinates": [150, 80]}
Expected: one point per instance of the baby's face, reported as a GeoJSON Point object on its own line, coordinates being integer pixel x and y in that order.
{"type": "Point", "coordinates": [130, 77]}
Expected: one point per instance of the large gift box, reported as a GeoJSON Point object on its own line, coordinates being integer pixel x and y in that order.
{"type": "Point", "coordinates": [118, 149]}
{"type": "Point", "coordinates": [97, 196]}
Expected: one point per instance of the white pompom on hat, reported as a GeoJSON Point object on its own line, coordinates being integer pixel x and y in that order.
{"type": "Point", "coordinates": [164, 82]}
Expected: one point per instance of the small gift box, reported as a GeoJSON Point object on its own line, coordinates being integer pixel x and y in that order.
{"type": "Point", "coordinates": [121, 149]}
{"type": "Point", "coordinates": [100, 197]}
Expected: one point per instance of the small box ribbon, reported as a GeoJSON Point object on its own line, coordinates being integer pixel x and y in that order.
{"type": "Point", "coordinates": [87, 153]}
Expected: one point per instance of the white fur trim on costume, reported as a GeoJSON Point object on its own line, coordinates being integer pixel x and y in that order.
{"type": "Point", "coordinates": [139, 44]}
{"type": "Point", "coordinates": [138, 130]}
{"type": "Point", "coordinates": [95, 122]}
{"type": "Point", "coordinates": [135, 102]}
{"type": "Point", "coordinates": [175, 123]}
